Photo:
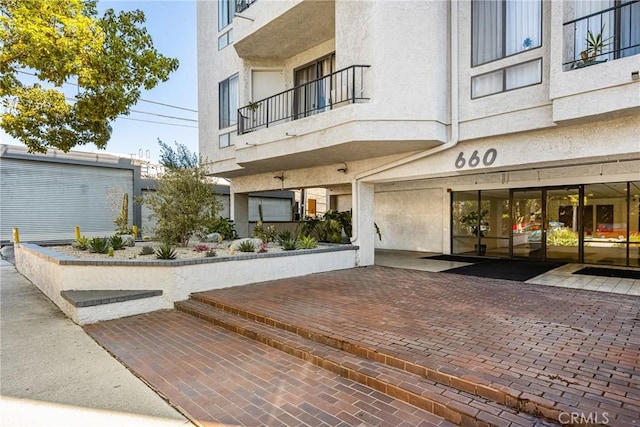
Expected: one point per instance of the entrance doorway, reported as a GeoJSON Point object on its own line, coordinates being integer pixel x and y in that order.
{"type": "Point", "coordinates": [546, 224]}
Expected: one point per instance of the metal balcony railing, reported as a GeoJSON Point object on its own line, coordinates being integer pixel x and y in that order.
{"type": "Point", "coordinates": [243, 5]}
{"type": "Point", "coordinates": [334, 90]}
{"type": "Point", "coordinates": [617, 29]}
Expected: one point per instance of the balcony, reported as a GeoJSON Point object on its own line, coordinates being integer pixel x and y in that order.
{"type": "Point", "coordinates": [282, 29]}
{"type": "Point", "coordinates": [602, 36]}
{"type": "Point", "coordinates": [242, 5]}
{"type": "Point", "coordinates": [334, 90]}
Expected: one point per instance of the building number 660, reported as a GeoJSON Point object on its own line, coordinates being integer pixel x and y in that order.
{"type": "Point", "coordinates": [487, 160]}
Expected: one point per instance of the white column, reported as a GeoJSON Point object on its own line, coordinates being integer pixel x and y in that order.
{"type": "Point", "coordinates": [240, 212]}
{"type": "Point", "coordinates": [363, 222]}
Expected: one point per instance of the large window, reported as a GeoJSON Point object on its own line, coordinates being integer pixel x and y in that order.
{"type": "Point", "coordinates": [504, 27]}
{"type": "Point", "coordinates": [505, 79]}
{"type": "Point", "coordinates": [313, 93]}
{"type": "Point", "coordinates": [226, 9]}
{"type": "Point", "coordinates": [228, 102]}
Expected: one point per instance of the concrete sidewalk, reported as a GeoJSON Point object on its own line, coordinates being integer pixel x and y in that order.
{"type": "Point", "coordinates": [52, 373]}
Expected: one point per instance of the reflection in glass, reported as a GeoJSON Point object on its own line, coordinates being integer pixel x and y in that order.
{"type": "Point", "coordinates": [605, 223]}
{"type": "Point", "coordinates": [562, 224]}
{"type": "Point", "coordinates": [496, 226]}
{"type": "Point", "coordinates": [527, 224]}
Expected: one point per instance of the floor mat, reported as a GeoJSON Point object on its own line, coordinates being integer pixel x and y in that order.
{"type": "Point", "coordinates": [609, 272]}
{"type": "Point", "coordinates": [456, 258]}
{"type": "Point", "coordinates": [507, 269]}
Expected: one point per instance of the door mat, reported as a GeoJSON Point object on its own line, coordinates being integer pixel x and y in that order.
{"type": "Point", "coordinates": [609, 272]}
{"type": "Point", "coordinates": [456, 258]}
{"type": "Point", "coordinates": [518, 270]}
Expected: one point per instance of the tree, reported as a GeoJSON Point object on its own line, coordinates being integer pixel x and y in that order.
{"type": "Point", "coordinates": [179, 158]}
{"type": "Point", "coordinates": [183, 204]}
{"type": "Point", "coordinates": [110, 58]}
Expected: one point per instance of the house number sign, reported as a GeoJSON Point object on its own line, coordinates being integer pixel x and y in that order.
{"type": "Point", "coordinates": [487, 159]}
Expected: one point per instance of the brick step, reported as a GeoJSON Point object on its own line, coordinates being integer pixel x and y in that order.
{"type": "Point", "coordinates": [456, 377]}
{"type": "Point", "coordinates": [454, 405]}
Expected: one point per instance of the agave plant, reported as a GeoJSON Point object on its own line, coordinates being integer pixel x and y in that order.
{"type": "Point", "coordinates": [116, 242]}
{"type": "Point", "coordinates": [82, 243]}
{"type": "Point", "coordinates": [147, 250]}
{"type": "Point", "coordinates": [166, 252]}
{"type": "Point", "coordinates": [307, 242]}
{"type": "Point", "coordinates": [246, 246]}
{"type": "Point", "coordinates": [289, 244]}
{"type": "Point", "coordinates": [99, 245]}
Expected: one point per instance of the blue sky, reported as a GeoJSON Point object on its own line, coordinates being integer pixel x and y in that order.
{"type": "Point", "coordinates": [172, 25]}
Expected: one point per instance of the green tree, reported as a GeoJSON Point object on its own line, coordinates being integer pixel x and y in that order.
{"type": "Point", "coordinates": [179, 158]}
{"type": "Point", "coordinates": [183, 204]}
{"type": "Point", "coordinates": [110, 58]}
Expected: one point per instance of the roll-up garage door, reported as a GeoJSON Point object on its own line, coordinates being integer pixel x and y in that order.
{"type": "Point", "coordinates": [46, 200]}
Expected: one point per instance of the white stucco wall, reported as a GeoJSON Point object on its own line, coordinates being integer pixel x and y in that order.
{"type": "Point", "coordinates": [417, 226]}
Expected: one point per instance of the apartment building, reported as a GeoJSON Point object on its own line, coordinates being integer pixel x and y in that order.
{"type": "Point", "coordinates": [501, 128]}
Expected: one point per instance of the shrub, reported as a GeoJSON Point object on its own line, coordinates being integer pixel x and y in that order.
{"type": "Point", "coordinates": [289, 244]}
{"type": "Point", "coordinates": [147, 250]}
{"type": "Point", "coordinates": [116, 242]}
{"type": "Point", "coordinates": [210, 253]}
{"type": "Point", "coordinates": [307, 242]}
{"type": "Point", "coordinates": [222, 226]}
{"type": "Point", "coordinates": [183, 204]}
{"type": "Point", "coordinates": [266, 234]}
{"type": "Point", "coordinates": [262, 248]}
{"type": "Point", "coordinates": [201, 248]}
{"type": "Point", "coordinates": [82, 243]}
{"type": "Point", "coordinates": [99, 245]}
{"type": "Point", "coordinates": [246, 246]}
{"type": "Point", "coordinates": [166, 252]}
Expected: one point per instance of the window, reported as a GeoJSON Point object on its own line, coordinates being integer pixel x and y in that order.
{"type": "Point", "coordinates": [226, 139]}
{"type": "Point", "coordinates": [226, 9]}
{"type": "Point", "coordinates": [228, 102]}
{"type": "Point", "coordinates": [225, 39]}
{"type": "Point", "coordinates": [505, 79]}
{"type": "Point", "coordinates": [501, 28]}
{"type": "Point", "coordinates": [313, 93]}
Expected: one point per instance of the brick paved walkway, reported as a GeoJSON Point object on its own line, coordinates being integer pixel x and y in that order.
{"type": "Point", "coordinates": [558, 348]}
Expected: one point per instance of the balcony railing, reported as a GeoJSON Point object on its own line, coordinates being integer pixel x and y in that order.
{"type": "Point", "coordinates": [243, 5]}
{"type": "Point", "coordinates": [617, 28]}
{"type": "Point", "coordinates": [334, 90]}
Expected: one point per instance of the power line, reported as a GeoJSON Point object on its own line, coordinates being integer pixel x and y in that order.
{"type": "Point", "coordinates": [140, 99]}
{"type": "Point", "coordinates": [160, 123]}
{"type": "Point", "coordinates": [146, 112]}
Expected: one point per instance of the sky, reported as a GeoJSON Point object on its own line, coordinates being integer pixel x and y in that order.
{"type": "Point", "coordinates": [172, 26]}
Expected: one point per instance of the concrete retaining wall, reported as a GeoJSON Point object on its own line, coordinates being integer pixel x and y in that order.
{"type": "Point", "coordinates": [53, 272]}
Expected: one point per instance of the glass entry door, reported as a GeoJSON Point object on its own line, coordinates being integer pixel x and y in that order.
{"type": "Point", "coordinates": [527, 233]}
{"type": "Point", "coordinates": [562, 224]}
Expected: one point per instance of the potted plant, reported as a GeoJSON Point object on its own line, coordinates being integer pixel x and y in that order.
{"type": "Point", "coordinates": [596, 43]}
{"type": "Point", "coordinates": [478, 225]}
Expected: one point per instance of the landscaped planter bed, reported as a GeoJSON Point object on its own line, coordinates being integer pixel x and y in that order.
{"type": "Point", "coordinates": [54, 272]}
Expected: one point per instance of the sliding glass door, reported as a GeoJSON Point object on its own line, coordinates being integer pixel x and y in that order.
{"type": "Point", "coordinates": [527, 231]}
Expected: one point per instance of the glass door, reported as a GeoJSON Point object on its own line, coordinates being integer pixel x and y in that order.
{"type": "Point", "coordinates": [527, 231]}
{"type": "Point", "coordinates": [562, 224]}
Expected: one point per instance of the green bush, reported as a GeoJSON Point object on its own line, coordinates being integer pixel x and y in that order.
{"type": "Point", "coordinates": [210, 253]}
{"type": "Point", "coordinates": [116, 242]}
{"type": "Point", "coordinates": [307, 242]}
{"type": "Point", "coordinates": [222, 226]}
{"type": "Point", "coordinates": [246, 246]}
{"type": "Point", "coordinates": [147, 250]}
{"type": "Point", "coordinates": [99, 245]}
{"type": "Point", "coordinates": [166, 252]}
